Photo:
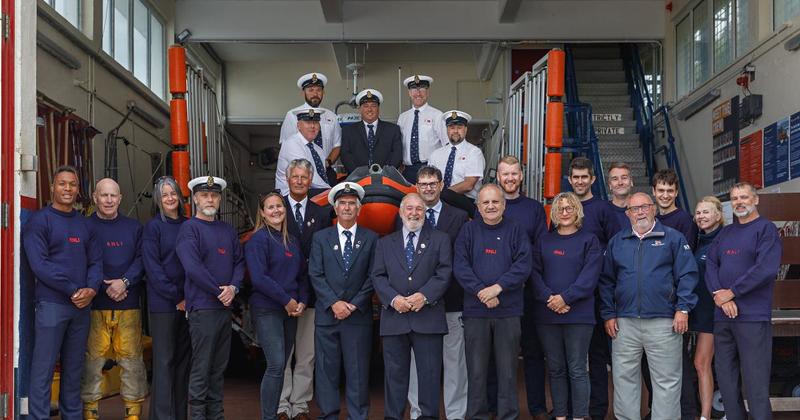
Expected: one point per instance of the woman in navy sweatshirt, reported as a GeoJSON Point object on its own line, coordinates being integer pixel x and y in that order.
{"type": "Point", "coordinates": [566, 268]}
{"type": "Point", "coordinates": [168, 326]}
{"type": "Point", "coordinates": [709, 220]}
{"type": "Point", "coordinates": [280, 294]}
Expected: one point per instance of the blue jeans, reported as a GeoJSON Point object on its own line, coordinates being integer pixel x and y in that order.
{"type": "Point", "coordinates": [275, 331]}
{"type": "Point", "coordinates": [566, 347]}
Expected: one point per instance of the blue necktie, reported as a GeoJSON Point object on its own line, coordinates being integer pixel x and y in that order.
{"type": "Point", "coordinates": [448, 170]}
{"type": "Point", "coordinates": [298, 217]}
{"type": "Point", "coordinates": [410, 249]}
{"type": "Point", "coordinates": [431, 219]}
{"type": "Point", "coordinates": [370, 141]}
{"type": "Point", "coordinates": [415, 139]}
{"type": "Point", "coordinates": [318, 139]}
{"type": "Point", "coordinates": [318, 162]}
{"type": "Point", "coordinates": [347, 256]}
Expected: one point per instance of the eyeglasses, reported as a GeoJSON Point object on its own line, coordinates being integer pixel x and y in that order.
{"type": "Point", "coordinates": [426, 185]}
{"type": "Point", "coordinates": [567, 209]}
{"type": "Point", "coordinates": [638, 209]}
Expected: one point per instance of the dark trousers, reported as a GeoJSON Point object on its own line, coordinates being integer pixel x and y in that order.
{"type": "Point", "coordinates": [503, 336]}
{"type": "Point", "coordinates": [275, 331]}
{"type": "Point", "coordinates": [533, 358]}
{"type": "Point", "coordinates": [599, 359]}
{"type": "Point", "coordinates": [172, 354]}
{"type": "Point", "coordinates": [566, 347]}
{"type": "Point", "coordinates": [743, 353]}
{"type": "Point", "coordinates": [335, 346]}
{"type": "Point", "coordinates": [410, 172]}
{"type": "Point", "coordinates": [211, 347]}
{"type": "Point", "coordinates": [397, 361]}
{"type": "Point", "coordinates": [59, 331]}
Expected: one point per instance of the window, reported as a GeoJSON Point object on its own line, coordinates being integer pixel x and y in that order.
{"type": "Point", "coordinates": [683, 35]}
{"type": "Point", "coordinates": [723, 34]}
{"type": "Point", "coordinates": [701, 39]}
{"type": "Point", "coordinates": [746, 25]}
{"type": "Point", "coordinates": [785, 10]}
{"type": "Point", "coordinates": [134, 36]}
{"type": "Point", "coordinates": [712, 36]}
{"type": "Point", "coordinates": [69, 9]}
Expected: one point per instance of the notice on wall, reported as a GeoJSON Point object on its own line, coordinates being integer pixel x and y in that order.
{"type": "Point", "coordinates": [776, 153]}
{"type": "Point", "coordinates": [725, 131]}
{"type": "Point", "coordinates": [794, 145]}
{"type": "Point", "coordinates": [751, 159]}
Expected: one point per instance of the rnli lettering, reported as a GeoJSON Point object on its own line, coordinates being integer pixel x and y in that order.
{"type": "Point", "coordinates": [74, 240]}
{"type": "Point", "coordinates": [114, 244]}
{"type": "Point", "coordinates": [490, 251]}
{"type": "Point", "coordinates": [288, 254]}
{"type": "Point", "coordinates": [221, 251]}
{"type": "Point", "coordinates": [559, 252]}
{"type": "Point", "coordinates": [732, 251]}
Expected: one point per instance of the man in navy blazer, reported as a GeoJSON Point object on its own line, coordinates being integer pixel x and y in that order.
{"type": "Point", "coordinates": [372, 140]}
{"type": "Point", "coordinates": [305, 218]}
{"type": "Point", "coordinates": [410, 273]}
{"type": "Point", "coordinates": [339, 267]}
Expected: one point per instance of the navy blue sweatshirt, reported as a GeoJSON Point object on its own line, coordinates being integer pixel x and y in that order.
{"type": "Point", "coordinates": [212, 257]}
{"type": "Point", "coordinates": [623, 222]}
{"type": "Point", "coordinates": [276, 271]}
{"type": "Point", "coordinates": [121, 241]}
{"type": "Point", "coordinates": [485, 255]}
{"type": "Point", "coordinates": [62, 254]}
{"type": "Point", "coordinates": [705, 302]}
{"type": "Point", "coordinates": [600, 219]}
{"type": "Point", "coordinates": [683, 222]}
{"type": "Point", "coordinates": [165, 275]}
{"type": "Point", "coordinates": [566, 265]}
{"type": "Point", "coordinates": [745, 258]}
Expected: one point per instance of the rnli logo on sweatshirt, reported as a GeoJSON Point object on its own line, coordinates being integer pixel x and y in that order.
{"type": "Point", "coordinates": [74, 240]}
{"type": "Point", "coordinates": [489, 251]}
{"type": "Point", "coordinates": [114, 244]}
{"type": "Point", "coordinates": [657, 243]}
{"type": "Point", "coordinates": [221, 251]}
{"type": "Point", "coordinates": [288, 254]}
{"type": "Point", "coordinates": [559, 252]}
{"type": "Point", "coordinates": [732, 252]}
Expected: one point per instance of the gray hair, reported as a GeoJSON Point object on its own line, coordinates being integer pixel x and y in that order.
{"type": "Point", "coordinates": [490, 186]}
{"type": "Point", "coordinates": [302, 164]}
{"type": "Point", "coordinates": [160, 183]}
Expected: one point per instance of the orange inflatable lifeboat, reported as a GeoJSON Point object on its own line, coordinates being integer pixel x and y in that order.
{"type": "Point", "coordinates": [384, 188]}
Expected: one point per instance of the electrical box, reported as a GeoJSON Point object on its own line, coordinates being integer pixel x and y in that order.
{"type": "Point", "coordinates": [751, 107]}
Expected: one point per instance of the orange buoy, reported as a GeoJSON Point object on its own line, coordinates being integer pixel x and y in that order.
{"type": "Point", "coordinates": [555, 72]}
{"type": "Point", "coordinates": [554, 125]}
{"type": "Point", "coordinates": [177, 69]}
{"type": "Point", "coordinates": [178, 122]}
{"type": "Point", "coordinates": [552, 174]}
{"type": "Point", "coordinates": [180, 170]}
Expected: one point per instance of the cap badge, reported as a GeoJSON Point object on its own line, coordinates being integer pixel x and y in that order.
{"type": "Point", "coordinates": [314, 78]}
{"type": "Point", "coordinates": [311, 113]}
{"type": "Point", "coordinates": [210, 181]}
{"type": "Point", "coordinates": [453, 115]}
{"type": "Point", "coordinates": [347, 188]}
{"type": "Point", "coordinates": [416, 78]}
{"type": "Point", "coordinates": [369, 94]}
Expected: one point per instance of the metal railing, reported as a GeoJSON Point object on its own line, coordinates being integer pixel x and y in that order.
{"type": "Point", "coordinates": [581, 137]}
{"type": "Point", "coordinates": [646, 124]}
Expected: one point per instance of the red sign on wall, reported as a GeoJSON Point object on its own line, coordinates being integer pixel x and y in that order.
{"type": "Point", "coordinates": [751, 159]}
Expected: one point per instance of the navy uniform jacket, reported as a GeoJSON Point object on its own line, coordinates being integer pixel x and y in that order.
{"type": "Point", "coordinates": [315, 219]}
{"type": "Point", "coordinates": [450, 221]}
{"type": "Point", "coordinates": [388, 149]}
{"type": "Point", "coordinates": [330, 280]}
{"type": "Point", "coordinates": [429, 274]}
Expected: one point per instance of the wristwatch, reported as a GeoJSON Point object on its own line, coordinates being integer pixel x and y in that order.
{"type": "Point", "coordinates": [684, 312]}
{"type": "Point", "coordinates": [126, 282]}
{"type": "Point", "coordinates": [235, 290]}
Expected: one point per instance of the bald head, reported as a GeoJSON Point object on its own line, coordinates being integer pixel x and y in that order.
{"type": "Point", "coordinates": [106, 198]}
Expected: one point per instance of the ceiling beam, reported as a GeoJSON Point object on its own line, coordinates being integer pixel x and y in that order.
{"type": "Point", "coordinates": [487, 60]}
{"type": "Point", "coordinates": [332, 10]}
{"type": "Point", "coordinates": [508, 10]}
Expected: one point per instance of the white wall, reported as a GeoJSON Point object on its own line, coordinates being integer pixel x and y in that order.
{"type": "Point", "coordinates": [777, 79]}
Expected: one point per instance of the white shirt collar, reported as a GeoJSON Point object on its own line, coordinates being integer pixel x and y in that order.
{"type": "Point", "coordinates": [437, 207]}
{"type": "Point", "coordinates": [646, 233]}
{"type": "Point", "coordinates": [341, 230]}
{"type": "Point", "coordinates": [374, 125]}
{"type": "Point", "coordinates": [422, 108]}
{"type": "Point", "coordinates": [293, 203]}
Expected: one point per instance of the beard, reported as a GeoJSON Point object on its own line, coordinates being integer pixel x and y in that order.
{"type": "Point", "coordinates": [413, 225]}
{"type": "Point", "coordinates": [314, 101]}
{"type": "Point", "coordinates": [209, 211]}
{"type": "Point", "coordinates": [747, 211]}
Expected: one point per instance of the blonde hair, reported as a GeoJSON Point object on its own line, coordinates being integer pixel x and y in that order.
{"type": "Point", "coordinates": [717, 206]}
{"type": "Point", "coordinates": [573, 201]}
{"type": "Point", "coordinates": [261, 222]}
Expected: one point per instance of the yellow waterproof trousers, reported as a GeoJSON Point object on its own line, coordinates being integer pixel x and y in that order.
{"type": "Point", "coordinates": [115, 334]}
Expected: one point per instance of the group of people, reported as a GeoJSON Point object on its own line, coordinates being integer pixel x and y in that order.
{"type": "Point", "coordinates": [608, 283]}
